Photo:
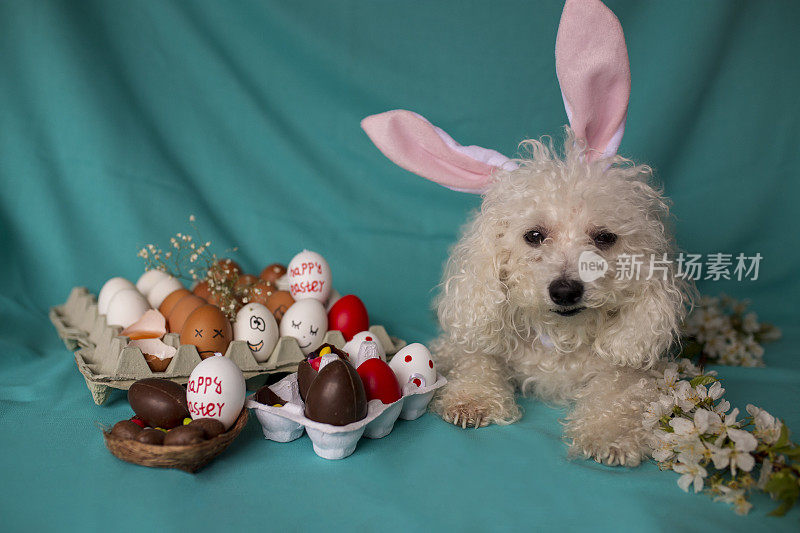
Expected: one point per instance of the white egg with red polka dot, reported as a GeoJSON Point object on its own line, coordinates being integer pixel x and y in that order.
{"type": "Point", "coordinates": [414, 364]}
{"type": "Point", "coordinates": [352, 346]}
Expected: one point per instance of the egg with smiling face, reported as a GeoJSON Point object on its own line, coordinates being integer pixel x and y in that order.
{"type": "Point", "coordinates": [307, 322]}
{"type": "Point", "coordinates": [256, 326]}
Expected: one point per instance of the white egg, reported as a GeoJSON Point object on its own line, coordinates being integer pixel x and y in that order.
{"type": "Point", "coordinates": [352, 346]}
{"type": "Point", "coordinates": [307, 322]}
{"type": "Point", "coordinates": [255, 325]}
{"type": "Point", "coordinates": [309, 276]}
{"type": "Point", "coordinates": [216, 389]}
{"type": "Point", "coordinates": [149, 279]}
{"type": "Point", "coordinates": [110, 288]}
{"type": "Point", "coordinates": [162, 289]}
{"type": "Point", "coordinates": [414, 364]}
{"type": "Point", "coordinates": [333, 298]}
{"type": "Point", "coordinates": [126, 307]}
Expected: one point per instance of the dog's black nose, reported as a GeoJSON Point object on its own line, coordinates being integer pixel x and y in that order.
{"type": "Point", "coordinates": [566, 292]}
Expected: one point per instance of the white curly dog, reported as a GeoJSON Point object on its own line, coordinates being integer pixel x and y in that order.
{"type": "Point", "coordinates": [521, 307]}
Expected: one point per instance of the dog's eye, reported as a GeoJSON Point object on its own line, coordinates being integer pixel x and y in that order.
{"type": "Point", "coordinates": [535, 237]}
{"type": "Point", "coordinates": [604, 240]}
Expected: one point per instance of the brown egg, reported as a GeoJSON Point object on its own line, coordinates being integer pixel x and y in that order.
{"type": "Point", "coordinates": [273, 272]}
{"type": "Point", "coordinates": [258, 292]}
{"type": "Point", "coordinates": [209, 330]}
{"type": "Point", "coordinates": [225, 268]}
{"type": "Point", "coordinates": [278, 303]}
{"type": "Point", "coordinates": [245, 280]}
{"type": "Point", "coordinates": [201, 289]}
{"type": "Point", "coordinates": [182, 310]}
{"type": "Point", "coordinates": [169, 302]}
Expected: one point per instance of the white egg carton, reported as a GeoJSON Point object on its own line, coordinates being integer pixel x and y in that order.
{"type": "Point", "coordinates": [107, 361]}
{"type": "Point", "coordinates": [288, 422]}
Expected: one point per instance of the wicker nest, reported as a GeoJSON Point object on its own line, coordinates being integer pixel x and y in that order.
{"type": "Point", "coordinates": [187, 458]}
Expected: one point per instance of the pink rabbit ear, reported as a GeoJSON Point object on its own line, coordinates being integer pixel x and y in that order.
{"type": "Point", "coordinates": [594, 73]}
{"type": "Point", "coordinates": [420, 147]}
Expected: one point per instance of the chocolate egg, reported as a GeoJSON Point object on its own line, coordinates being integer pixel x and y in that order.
{"type": "Point", "coordinates": [267, 396]}
{"type": "Point", "coordinates": [170, 301]}
{"type": "Point", "coordinates": [208, 329]}
{"type": "Point", "coordinates": [273, 272]}
{"type": "Point", "coordinates": [211, 427]}
{"type": "Point", "coordinates": [305, 376]}
{"type": "Point", "coordinates": [181, 311]}
{"type": "Point", "coordinates": [126, 429]}
{"type": "Point", "coordinates": [159, 402]}
{"type": "Point", "coordinates": [184, 436]}
{"type": "Point", "coordinates": [336, 396]}
{"type": "Point", "coordinates": [151, 436]}
{"type": "Point", "coordinates": [278, 303]}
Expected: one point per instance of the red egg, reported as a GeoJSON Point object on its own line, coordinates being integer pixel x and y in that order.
{"type": "Point", "coordinates": [379, 381]}
{"type": "Point", "coordinates": [349, 316]}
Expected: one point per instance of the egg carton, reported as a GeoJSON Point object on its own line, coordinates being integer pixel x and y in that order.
{"type": "Point", "coordinates": [108, 361]}
{"type": "Point", "coordinates": [288, 422]}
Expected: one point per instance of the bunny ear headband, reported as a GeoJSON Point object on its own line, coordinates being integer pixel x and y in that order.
{"type": "Point", "coordinates": [595, 78]}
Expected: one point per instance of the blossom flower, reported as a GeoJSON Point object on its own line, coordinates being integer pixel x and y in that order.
{"type": "Point", "coordinates": [738, 456]}
{"type": "Point", "coordinates": [693, 474]}
{"type": "Point", "coordinates": [768, 428]}
{"type": "Point", "coordinates": [736, 497]}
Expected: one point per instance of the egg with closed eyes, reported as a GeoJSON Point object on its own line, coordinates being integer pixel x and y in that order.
{"type": "Point", "coordinates": [306, 321]}
{"type": "Point", "coordinates": [256, 326]}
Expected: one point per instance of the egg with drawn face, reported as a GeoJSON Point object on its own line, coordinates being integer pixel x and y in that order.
{"type": "Point", "coordinates": [256, 326]}
{"type": "Point", "coordinates": [307, 322]}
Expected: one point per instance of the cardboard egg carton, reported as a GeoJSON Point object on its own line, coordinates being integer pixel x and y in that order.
{"type": "Point", "coordinates": [107, 360]}
{"type": "Point", "coordinates": [285, 423]}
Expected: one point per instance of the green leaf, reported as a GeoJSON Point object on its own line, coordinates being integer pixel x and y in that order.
{"type": "Point", "coordinates": [783, 440]}
{"type": "Point", "coordinates": [783, 508]}
{"type": "Point", "coordinates": [702, 380]}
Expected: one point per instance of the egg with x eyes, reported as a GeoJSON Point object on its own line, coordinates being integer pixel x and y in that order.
{"type": "Point", "coordinates": [208, 329]}
{"type": "Point", "coordinates": [256, 326]}
{"type": "Point", "coordinates": [306, 321]}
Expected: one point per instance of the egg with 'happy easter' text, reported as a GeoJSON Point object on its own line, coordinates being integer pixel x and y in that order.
{"type": "Point", "coordinates": [216, 389]}
{"type": "Point", "coordinates": [307, 322]}
{"type": "Point", "coordinates": [256, 326]}
{"type": "Point", "coordinates": [109, 290]}
{"type": "Point", "coordinates": [414, 364]}
{"type": "Point", "coordinates": [309, 277]}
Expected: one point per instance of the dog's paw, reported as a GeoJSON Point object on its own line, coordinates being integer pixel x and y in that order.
{"type": "Point", "coordinates": [459, 407]}
{"type": "Point", "coordinates": [614, 455]}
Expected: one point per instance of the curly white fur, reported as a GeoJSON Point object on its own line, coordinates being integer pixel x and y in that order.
{"type": "Point", "coordinates": [495, 308]}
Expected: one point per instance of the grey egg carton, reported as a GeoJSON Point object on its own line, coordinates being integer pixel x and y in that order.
{"type": "Point", "coordinates": [107, 361]}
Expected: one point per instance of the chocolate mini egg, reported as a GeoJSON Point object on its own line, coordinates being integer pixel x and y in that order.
{"type": "Point", "coordinates": [162, 289]}
{"type": "Point", "coordinates": [181, 311]}
{"type": "Point", "coordinates": [352, 346]}
{"type": "Point", "coordinates": [307, 322]}
{"type": "Point", "coordinates": [414, 364]}
{"type": "Point", "coordinates": [208, 329]}
{"type": "Point", "coordinates": [110, 288]}
{"type": "Point", "coordinates": [126, 307]}
{"type": "Point", "coordinates": [309, 277]}
{"type": "Point", "coordinates": [278, 303]}
{"type": "Point", "coordinates": [256, 326]}
{"type": "Point", "coordinates": [216, 389]}
{"type": "Point", "coordinates": [337, 395]}
{"type": "Point", "coordinates": [150, 279]}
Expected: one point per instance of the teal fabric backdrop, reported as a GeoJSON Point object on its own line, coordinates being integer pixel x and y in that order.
{"type": "Point", "coordinates": [120, 119]}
